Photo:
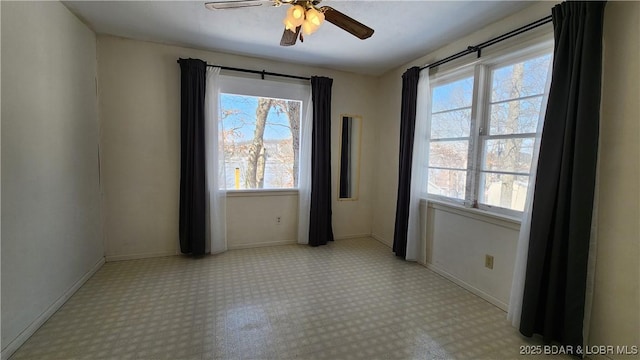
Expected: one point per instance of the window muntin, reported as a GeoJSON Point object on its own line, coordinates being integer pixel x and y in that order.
{"type": "Point", "coordinates": [526, 120]}
{"type": "Point", "coordinates": [503, 86]}
{"type": "Point", "coordinates": [451, 124]}
{"type": "Point", "coordinates": [508, 155]}
{"type": "Point", "coordinates": [497, 108]}
{"type": "Point", "coordinates": [449, 154]}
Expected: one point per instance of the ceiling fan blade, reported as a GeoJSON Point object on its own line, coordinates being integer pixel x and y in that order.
{"type": "Point", "coordinates": [235, 4]}
{"type": "Point", "coordinates": [289, 37]}
{"type": "Point", "coordinates": [346, 23]}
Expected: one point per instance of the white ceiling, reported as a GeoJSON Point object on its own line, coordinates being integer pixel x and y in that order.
{"type": "Point", "coordinates": [404, 30]}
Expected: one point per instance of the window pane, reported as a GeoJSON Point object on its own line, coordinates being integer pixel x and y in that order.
{"type": "Point", "coordinates": [512, 155]}
{"type": "Point", "coordinates": [260, 137]}
{"type": "Point", "coordinates": [449, 183]}
{"type": "Point", "coordinates": [519, 80]}
{"type": "Point", "coordinates": [449, 154]}
{"type": "Point", "coordinates": [451, 124]}
{"type": "Point", "coordinates": [515, 117]}
{"type": "Point", "coordinates": [507, 191]}
{"type": "Point", "coordinates": [454, 95]}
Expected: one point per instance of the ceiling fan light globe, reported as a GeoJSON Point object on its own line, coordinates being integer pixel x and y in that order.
{"type": "Point", "coordinates": [308, 27]}
{"type": "Point", "coordinates": [295, 15]}
{"type": "Point", "coordinates": [315, 17]}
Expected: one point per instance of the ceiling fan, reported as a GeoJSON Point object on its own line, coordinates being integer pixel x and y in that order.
{"type": "Point", "coordinates": [303, 17]}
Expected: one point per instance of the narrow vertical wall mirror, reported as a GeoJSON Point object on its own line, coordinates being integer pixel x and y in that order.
{"type": "Point", "coordinates": [351, 127]}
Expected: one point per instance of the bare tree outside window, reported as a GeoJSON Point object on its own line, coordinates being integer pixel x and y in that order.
{"type": "Point", "coordinates": [261, 138]}
{"type": "Point", "coordinates": [515, 107]}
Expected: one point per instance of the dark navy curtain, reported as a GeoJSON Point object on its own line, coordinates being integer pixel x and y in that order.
{"type": "Point", "coordinates": [556, 275]}
{"type": "Point", "coordinates": [192, 157]}
{"type": "Point", "coordinates": [407, 129]}
{"type": "Point", "coordinates": [320, 227]}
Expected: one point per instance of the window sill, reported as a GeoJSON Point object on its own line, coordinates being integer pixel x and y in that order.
{"type": "Point", "coordinates": [477, 214]}
{"type": "Point", "coordinates": [262, 192]}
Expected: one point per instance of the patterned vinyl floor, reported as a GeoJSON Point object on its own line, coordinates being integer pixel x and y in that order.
{"type": "Point", "coordinates": [352, 299]}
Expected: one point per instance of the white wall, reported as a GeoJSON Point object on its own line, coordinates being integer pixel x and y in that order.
{"type": "Point", "coordinates": [459, 239]}
{"type": "Point", "coordinates": [51, 235]}
{"type": "Point", "coordinates": [251, 219]}
{"type": "Point", "coordinates": [616, 303]}
{"type": "Point", "coordinates": [139, 93]}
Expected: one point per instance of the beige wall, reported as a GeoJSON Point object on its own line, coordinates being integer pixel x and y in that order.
{"type": "Point", "coordinates": [616, 315]}
{"type": "Point", "coordinates": [139, 93]}
{"type": "Point", "coordinates": [51, 235]}
{"type": "Point", "coordinates": [616, 303]}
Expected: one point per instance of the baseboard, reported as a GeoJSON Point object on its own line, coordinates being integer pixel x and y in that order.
{"type": "Point", "coordinates": [468, 286]}
{"type": "Point", "coordinates": [110, 258]}
{"type": "Point", "coordinates": [42, 318]}
{"type": "Point", "coordinates": [355, 236]}
{"type": "Point", "coordinates": [262, 244]}
{"type": "Point", "coordinates": [381, 239]}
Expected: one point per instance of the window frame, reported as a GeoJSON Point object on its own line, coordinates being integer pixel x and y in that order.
{"type": "Point", "coordinates": [288, 90]}
{"type": "Point", "coordinates": [443, 79]}
{"type": "Point", "coordinates": [481, 70]}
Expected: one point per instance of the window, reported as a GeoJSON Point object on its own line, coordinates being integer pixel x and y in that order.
{"type": "Point", "coordinates": [450, 138]}
{"type": "Point", "coordinates": [259, 123]}
{"type": "Point", "coordinates": [484, 120]}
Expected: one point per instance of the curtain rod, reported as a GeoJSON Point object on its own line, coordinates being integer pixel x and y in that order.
{"type": "Point", "coordinates": [262, 73]}
{"type": "Point", "coordinates": [478, 48]}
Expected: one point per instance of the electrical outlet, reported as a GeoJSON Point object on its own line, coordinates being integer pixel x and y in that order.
{"type": "Point", "coordinates": [488, 261]}
{"type": "Point", "coordinates": [278, 218]}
